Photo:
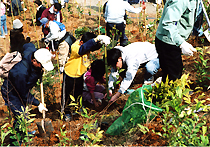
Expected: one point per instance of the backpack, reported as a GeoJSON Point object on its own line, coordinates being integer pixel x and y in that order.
{"type": "Point", "coordinates": [61, 25]}
{"type": "Point", "coordinates": [8, 61]}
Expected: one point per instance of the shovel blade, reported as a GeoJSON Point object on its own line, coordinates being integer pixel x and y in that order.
{"type": "Point", "coordinates": [47, 126]}
{"type": "Point", "coordinates": [207, 34]}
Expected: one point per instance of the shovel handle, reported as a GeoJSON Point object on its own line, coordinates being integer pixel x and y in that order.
{"type": "Point", "coordinates": [42, 97]}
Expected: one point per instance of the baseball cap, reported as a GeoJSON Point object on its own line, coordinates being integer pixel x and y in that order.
{"type": "Point", "coordinates": [17, 24]}
{"type": "Point", "coordinates": [43, 56]}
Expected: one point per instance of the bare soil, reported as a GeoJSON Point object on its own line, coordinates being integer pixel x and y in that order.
{"type": "Point", "coordinates": [73, 128]}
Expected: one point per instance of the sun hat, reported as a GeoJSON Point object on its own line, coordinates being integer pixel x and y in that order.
{"type": "Point", "coordinates": [17, 24]}
{"type": "Point", "coordinates": [44, 21]}
{"type": "Point", "coordinates": [43, 56]}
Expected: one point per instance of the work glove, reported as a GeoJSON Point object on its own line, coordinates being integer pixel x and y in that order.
{"type": "Point", "coordinates": [187, 49]}
{"type": "Point", "coordinates": [103, 39]}
{"type": "Point", "coordinates": [61, 69]}
{"type": "Point", "coordinates": [42, 108]}
{"type": "Point", "coordinates": [46, 41]}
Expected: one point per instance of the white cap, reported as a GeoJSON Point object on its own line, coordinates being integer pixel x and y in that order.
{"type": "Point", "coordinates": [17, 24]}
{"type": "Point", "coordinates": [43, 56]}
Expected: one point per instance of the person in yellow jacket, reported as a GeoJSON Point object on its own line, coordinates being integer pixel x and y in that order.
{"type": "Point", "coordinates": [76, 66]}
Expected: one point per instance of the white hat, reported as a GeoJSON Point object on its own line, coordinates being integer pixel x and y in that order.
{"type": "Point", "coordinates": [17, 24]}
{"type": "Point", "coordinates": [43, 56]}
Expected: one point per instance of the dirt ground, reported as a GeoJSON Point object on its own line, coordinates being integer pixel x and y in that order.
{"type": "Point", "coordinates": [73, 128]}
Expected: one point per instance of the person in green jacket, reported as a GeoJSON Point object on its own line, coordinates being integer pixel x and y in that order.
{"type": "Point", "coordinates": [176, 25]}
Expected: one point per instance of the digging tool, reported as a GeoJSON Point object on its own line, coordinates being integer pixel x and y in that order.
{"type": "Point", "coordinates": [44, 127]}
{"type": "Point", "coordinates": [206, 33]}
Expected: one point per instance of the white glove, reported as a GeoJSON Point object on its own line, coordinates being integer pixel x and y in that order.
{"type": "Point", "coordinates": [187, 49]}
{"type": "Point", "coordinates": [42, 108]}
{"type": "Point", "coordinates": [61, 69]}
{"type": "Point", "coordinates": [103, 39]}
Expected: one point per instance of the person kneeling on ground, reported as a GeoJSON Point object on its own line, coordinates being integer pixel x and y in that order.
{"type": "Point", "coordinates": [22, 77]}
{"type": "Point", "coordinates": [93, 92]}
{"type": "Point", "coordinates": [76, 66]}
{"type": "Point", "coordinates": [130, 58]}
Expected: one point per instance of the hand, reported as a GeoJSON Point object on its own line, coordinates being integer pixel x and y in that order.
{"type": "Point", "coordinates": [115, 97]}
{"type": "Point", "coordinates": [103, 39]}
{"type": "Point", "coordinates": [97, 104]}
{"type": "Point", "coordinates": [143, 6]}
{"type": "Point", "coordinates": [46, 41]}
{"type": "Point", "coordinates": [42, 108]}
{"type": "Point", "coordinates": [187, 49]}
{"type": "Point", "coordinates": [61, 69]}
{"type": "Point", "coordinates": [110, 94]}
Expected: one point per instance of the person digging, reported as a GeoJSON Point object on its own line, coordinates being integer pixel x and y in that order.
{"type": "Point", "coordinates": [22, 77]}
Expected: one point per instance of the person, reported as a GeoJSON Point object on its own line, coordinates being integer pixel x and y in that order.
{"type": "Point", "coordinates": [76, 66]}
{"type": "Point", "coordinates": [130, 58]}
{"type": "Point", "coordinates": [17, 39]}
{"type": "Point", "coordinates": [52, 13]}
{"type": "Point", "coordinates": [114, 18]}
{"type": "Point", "coordinates": [3, 20]}
{"type": "Point", "coordinates": [63, 2]}
{"type": "Point", "coordinates": [176, 24]}
{"type": "Point", "coordinates": [93, 92]}
{"type": "Point", "coordinates": [15, 8]}
{"type": "Point", "coordinates": [40, 9]}
{"type": "Point", "coordinates": [22, 77]}
{"type": "Point", "coordinates": [60, 38]}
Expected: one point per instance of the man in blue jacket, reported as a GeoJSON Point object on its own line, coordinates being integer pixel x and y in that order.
{"type": "Point", "coordinates": [22, 77]}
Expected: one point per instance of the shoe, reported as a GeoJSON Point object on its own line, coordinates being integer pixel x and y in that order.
{"type": "Point", "coordinates": [67, 117]}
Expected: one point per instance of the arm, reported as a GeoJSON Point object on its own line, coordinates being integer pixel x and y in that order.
{"type": "Point", "coordinates": [171, 22]}
{"type": "Point", "coordinates": [131, 9]}
{"type": "Point", "coordinates": [90, 45]}
{"type": "Point", "coordinates": [54, 31]}
{"type": "Point", "coordinates": [130, 74]}
{"type": "Point", "coordinates": [19, 78]}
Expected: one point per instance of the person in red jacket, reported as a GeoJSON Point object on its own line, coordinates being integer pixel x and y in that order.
{"type": "Point", "coordinates": [52, 13]}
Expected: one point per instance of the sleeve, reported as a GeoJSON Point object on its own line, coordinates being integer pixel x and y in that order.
{"type": "Point", "coordinates": [130, 74]}
{"type": "Point", "coordinates": [54, 32]}
{"type": "Point", "coordinates": [90, 82]}
{"type": "Point", "coordinates": [169, 21]}
{"type": "Point", "coordinates": [113, 78]}
{"type": "Point", "coordinates": [90, 45]}
{"type": "Point", "coordinates": [44, 13]}
{"type": "Point", "coordinates": [130, 8]}
{"type": "Point", "coordinates": [19, 81]}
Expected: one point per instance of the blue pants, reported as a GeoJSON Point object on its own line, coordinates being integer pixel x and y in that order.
{"type": "Point", "coordinates": [3, 25]}
{"type": "Point", "coordinates": [119, 32]}
{"type": "Point", "coordinates": [152, 68]}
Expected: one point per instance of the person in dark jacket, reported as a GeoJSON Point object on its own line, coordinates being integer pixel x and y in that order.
{"type": "Point", "coordinates": [40, 9]}
{"type": "Point", "coordinates": [22, 77]}
{"type": "Point", "coordinates": [17, 39]}
{"type": "Point", "coordinates": [15, 8]}
{"type": "Point", "coordinates": [52, 13]}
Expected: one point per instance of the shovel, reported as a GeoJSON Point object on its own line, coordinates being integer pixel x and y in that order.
{"type": "Point", "coordinates": [206, 33]}
{"type": "Point", "coordinates": [45, 127]}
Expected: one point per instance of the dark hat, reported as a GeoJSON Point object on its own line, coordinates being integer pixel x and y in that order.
{"type": "Point", "coordinates": [38, 2]}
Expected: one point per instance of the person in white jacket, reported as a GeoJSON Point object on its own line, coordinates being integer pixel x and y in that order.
{"type": "Point", "coordinates": [130, 58]}
{"type": "Point", "coordinates": [114, 18]}
{"type": "Point", "coordinates": [56, 34]}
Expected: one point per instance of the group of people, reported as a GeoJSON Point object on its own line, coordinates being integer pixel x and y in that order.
{"type": "Point", "coordinates": [80, 76]}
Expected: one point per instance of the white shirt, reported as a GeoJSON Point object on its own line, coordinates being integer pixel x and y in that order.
{"type": "Point", "coordinates": [133, 55]}
{"type": "Point", "coordinates": [55, 33]}
{"type": "Point", "coordinates": [115, 10]}
{"type": "Point", "coordinates": [62, 2]}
